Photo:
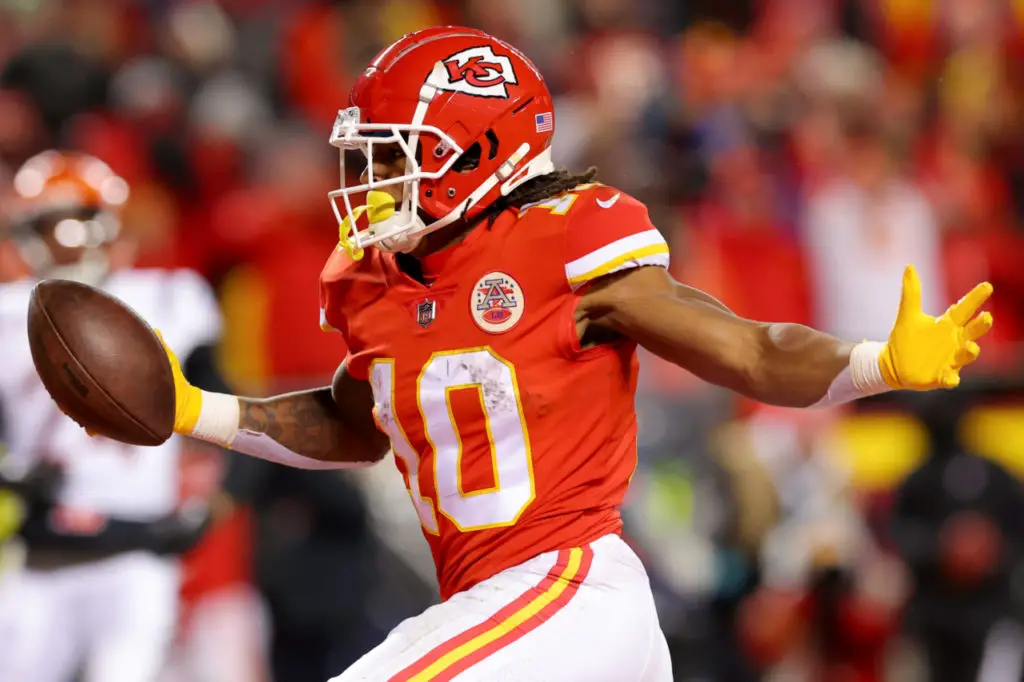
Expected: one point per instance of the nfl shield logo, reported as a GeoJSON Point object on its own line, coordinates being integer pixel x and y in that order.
{"type": "Point", "coordinates": [425, 313]}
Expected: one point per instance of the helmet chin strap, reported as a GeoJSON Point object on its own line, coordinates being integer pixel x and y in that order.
{"type": "Point", "coordinates": [542, 164]}
{"type": "Point", "coordinates": [406, 242]}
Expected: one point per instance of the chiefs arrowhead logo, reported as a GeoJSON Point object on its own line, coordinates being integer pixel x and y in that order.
{"type": "Point", "coordinates": [478, 71]}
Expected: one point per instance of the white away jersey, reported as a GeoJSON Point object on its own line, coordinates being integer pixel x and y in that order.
{"type": "Point", "coordinates": [104, 476]}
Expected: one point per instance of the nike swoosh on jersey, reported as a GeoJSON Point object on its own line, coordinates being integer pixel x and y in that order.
{"type": "Point", "coordinates": [608, 203]}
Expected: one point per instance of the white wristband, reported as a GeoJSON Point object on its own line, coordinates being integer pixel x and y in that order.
{"type": "Point", "coordinates": [866, 369]}
{"type": "Point", "coordinates": [218, 419]}
{"type": "Point", "coordinates": [860, 379]}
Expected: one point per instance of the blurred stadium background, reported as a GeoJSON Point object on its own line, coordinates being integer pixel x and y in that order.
{"type": "Point", "coordinates": [796, 153]}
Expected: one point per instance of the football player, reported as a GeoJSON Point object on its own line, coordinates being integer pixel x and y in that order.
{"type": "Point", "coordinates": [98, 591]}
{"type": "Point", "coordinates": [492, 305]}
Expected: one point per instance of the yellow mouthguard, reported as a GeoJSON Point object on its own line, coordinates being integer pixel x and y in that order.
{"type": "Point", "coordinates": [380, 206]}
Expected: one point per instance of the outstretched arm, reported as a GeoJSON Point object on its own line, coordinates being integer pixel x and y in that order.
{"type": "Point", "coordinates": [330, 424]}
{"type": "Point", "coordinates": [323, 428]}
{"type": "Point", "coordinates": [785, 364]}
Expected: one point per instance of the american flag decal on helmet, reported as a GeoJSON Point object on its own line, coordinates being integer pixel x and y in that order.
{"type": "Point", "coordinates": [545, 122]}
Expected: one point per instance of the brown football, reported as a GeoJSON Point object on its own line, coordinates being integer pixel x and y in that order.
{"type": "Point", "coordinates": [101, 363]}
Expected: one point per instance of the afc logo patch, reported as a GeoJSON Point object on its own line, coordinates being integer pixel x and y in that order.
{"type": "Point", "coordinates": [477, 71]}
{"type": "Point", "coordinates": [496, 303]}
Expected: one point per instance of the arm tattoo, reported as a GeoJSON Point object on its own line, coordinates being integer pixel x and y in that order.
{"type": "Point", "coordinates": [308, 423]}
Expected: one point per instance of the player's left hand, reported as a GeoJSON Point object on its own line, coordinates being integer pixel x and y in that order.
{"type": "Point", "coordinates": [925, 352]}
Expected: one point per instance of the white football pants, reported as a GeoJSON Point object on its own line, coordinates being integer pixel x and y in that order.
{"type": "Point", "coordinates": [576, 615]}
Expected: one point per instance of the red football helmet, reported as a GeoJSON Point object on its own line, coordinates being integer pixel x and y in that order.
{"type": "Point", "coordinates": [472, 116]}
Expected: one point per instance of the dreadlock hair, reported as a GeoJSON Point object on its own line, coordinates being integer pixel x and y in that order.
{"type": "Point", "coordinates": [538, 189]}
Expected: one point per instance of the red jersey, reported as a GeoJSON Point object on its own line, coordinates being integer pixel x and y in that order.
{"type": "Point", "coordinates": [512, 440]}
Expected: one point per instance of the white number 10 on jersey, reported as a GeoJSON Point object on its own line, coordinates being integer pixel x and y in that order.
{"type": "Point", "coordinates": [508, 442]}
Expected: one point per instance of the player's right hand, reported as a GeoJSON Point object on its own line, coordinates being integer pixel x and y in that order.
{"type": "Point", "coordinates": [188, 400]}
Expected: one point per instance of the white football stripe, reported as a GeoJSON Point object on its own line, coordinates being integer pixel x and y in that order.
{"type": "Point", "coordinates": [610, 252]}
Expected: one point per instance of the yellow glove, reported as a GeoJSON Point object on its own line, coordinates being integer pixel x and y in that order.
{"type": "Point", "coordinates": [925, 352]}
{"type": "Point", "coordinates": [188, 400]}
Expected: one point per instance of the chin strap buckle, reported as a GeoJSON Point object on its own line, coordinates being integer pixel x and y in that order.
{"type": "Point", "coordinates": [353, 250]}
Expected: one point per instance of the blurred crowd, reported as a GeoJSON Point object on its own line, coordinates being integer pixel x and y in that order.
{"type": "Point", "coordinates": [796, 153]}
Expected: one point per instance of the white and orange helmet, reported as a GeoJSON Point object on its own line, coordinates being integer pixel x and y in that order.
{"type": "Point", "coordinates": [67, 202]}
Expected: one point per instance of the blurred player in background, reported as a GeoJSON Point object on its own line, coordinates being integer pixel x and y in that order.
{"type": "Point", "coordinates": [104, 522]}
{"type": "Point", "coordinates": [492, 306]}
